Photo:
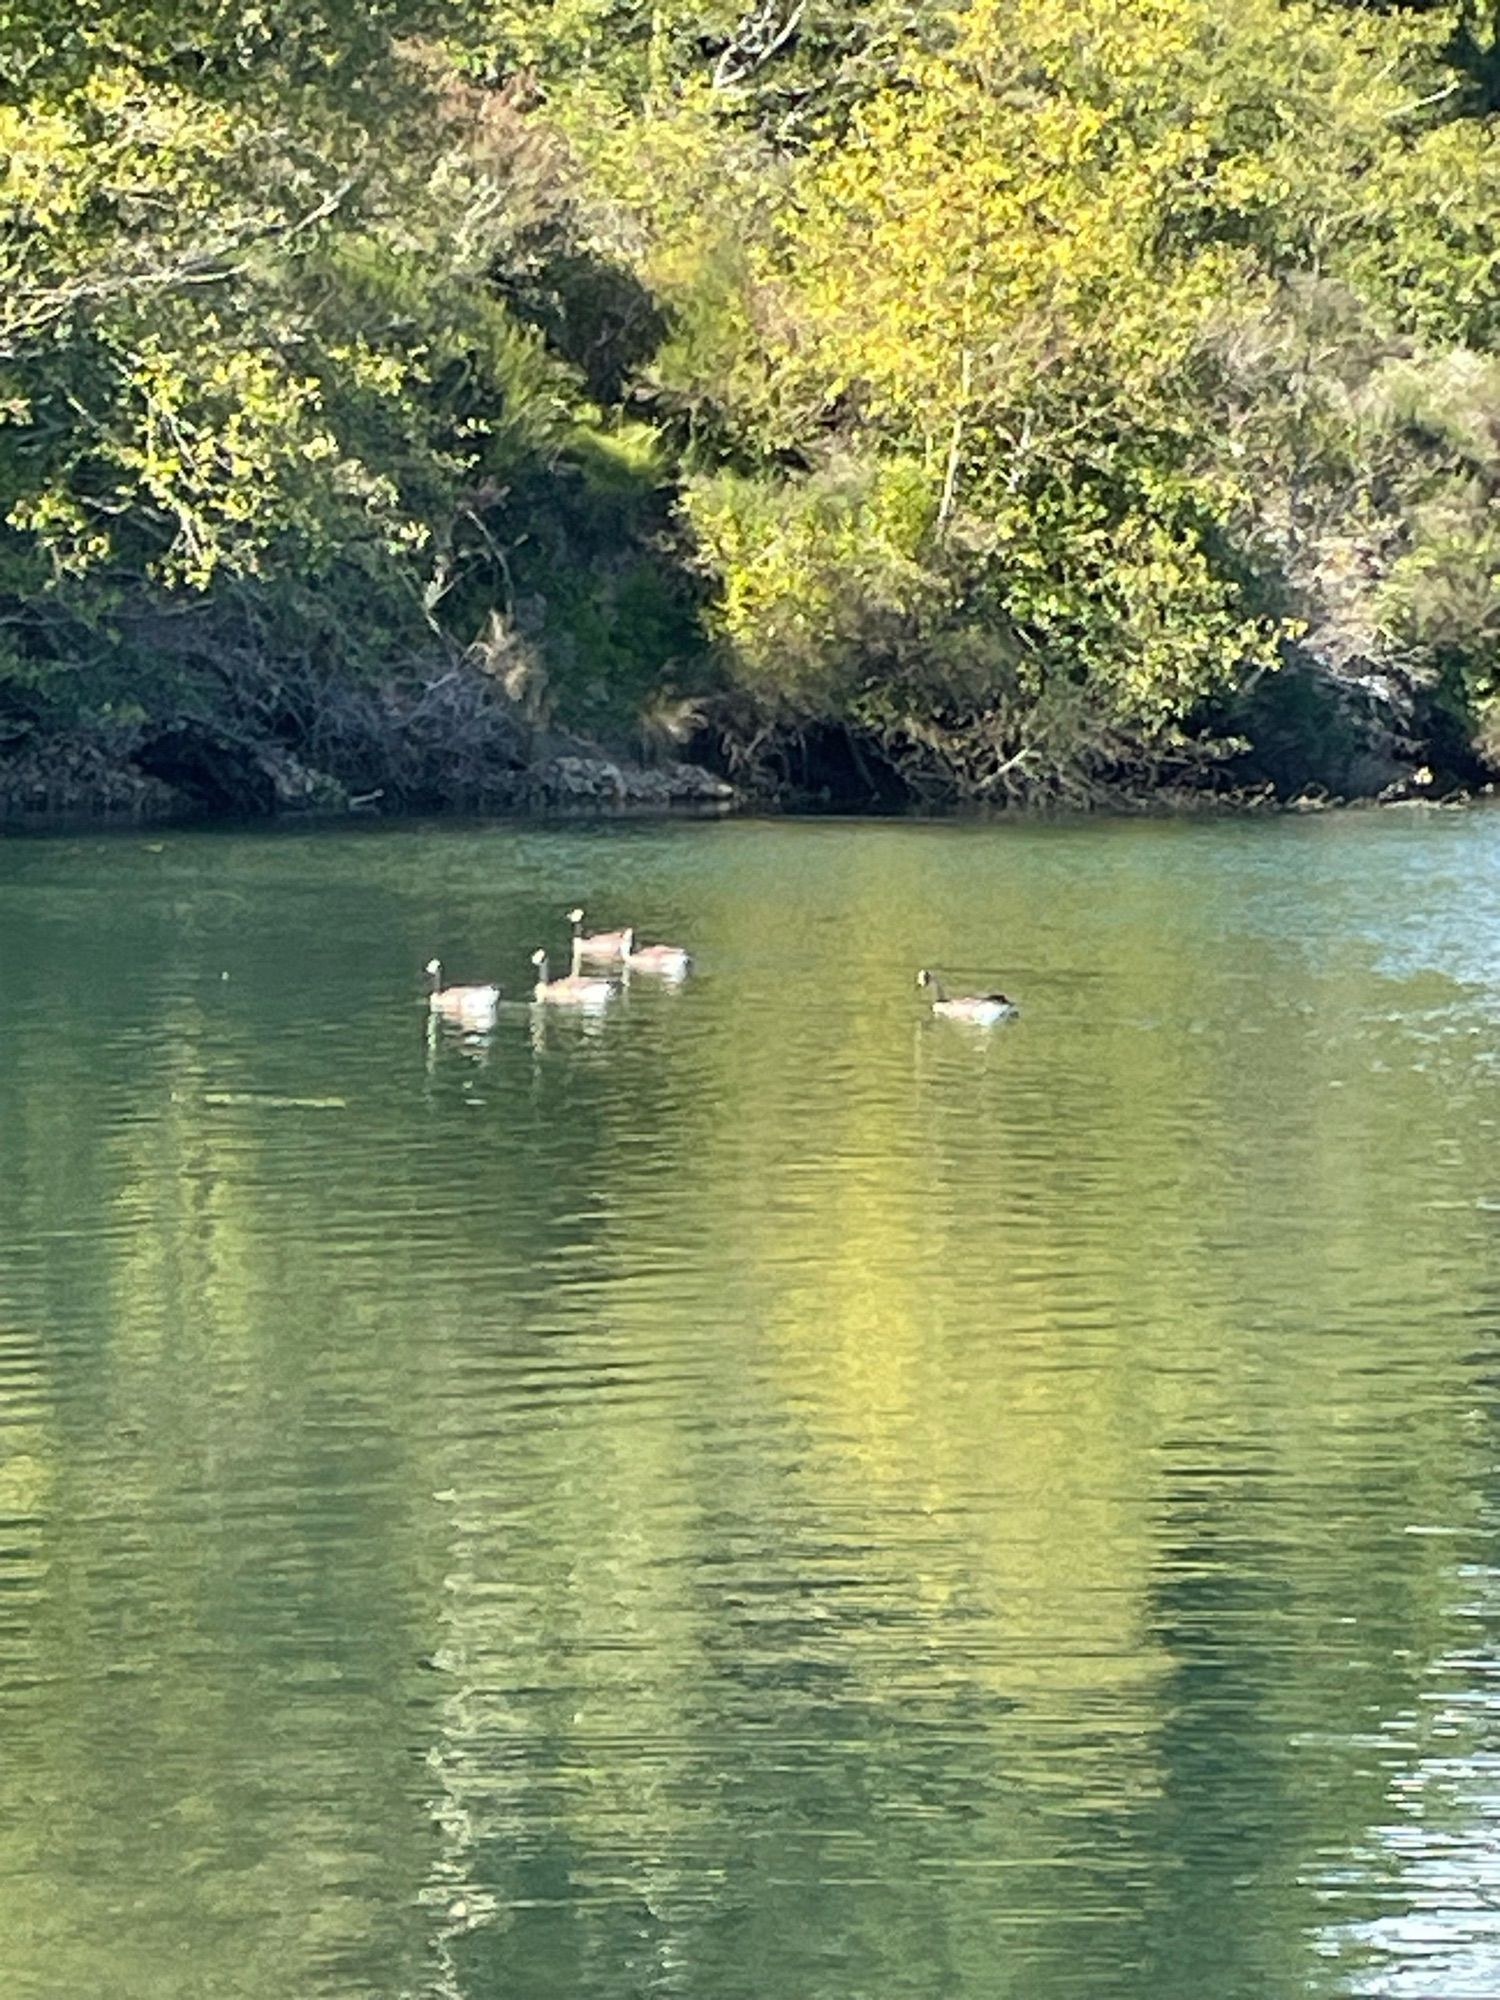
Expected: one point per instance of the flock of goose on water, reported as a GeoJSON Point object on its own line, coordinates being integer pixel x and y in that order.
{"type": "Point", "coordinates": [475, 1007]}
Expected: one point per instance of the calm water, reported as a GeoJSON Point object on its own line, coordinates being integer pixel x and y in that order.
{"type": "Point", "coordinates": [764, 1497]}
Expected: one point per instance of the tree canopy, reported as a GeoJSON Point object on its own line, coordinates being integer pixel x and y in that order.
{"type": "Point", "coordinates": [1017, 385]}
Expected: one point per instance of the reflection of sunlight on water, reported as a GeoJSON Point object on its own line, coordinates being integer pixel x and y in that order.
{"type": "Point", "coordinates": [758, 1492]}
{"type": "Point", "coordinates": [1441, 912]}
{"type": "Point", "coordinates": [1432, 1867]}
{"type": "Point", "coordinates": [455, 1901]}
{"type": "Point", "coordinates": [1455, 935]}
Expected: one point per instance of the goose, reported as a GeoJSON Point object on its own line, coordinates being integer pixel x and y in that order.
{"type": "Point", "coordinates": [985, 1008]}
{"type": "Point", "coordinates": [469, 1006]}
{"type": "Point", "coordinates": [599, 944]}
{"type": "Point", "coordinates": [670, 960]}
{"type": "Point", "coordinates": [574, 991]}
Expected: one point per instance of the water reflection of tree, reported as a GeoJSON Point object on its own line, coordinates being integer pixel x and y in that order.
{"type": "Point", "coordinates": [878, 1519]}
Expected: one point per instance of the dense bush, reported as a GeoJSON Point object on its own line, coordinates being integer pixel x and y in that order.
{"type": "Point", "coordinates": [1015, 387]}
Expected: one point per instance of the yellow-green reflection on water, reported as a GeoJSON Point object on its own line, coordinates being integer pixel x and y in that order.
{"type": "Point", "coordinates": [765, 1494]}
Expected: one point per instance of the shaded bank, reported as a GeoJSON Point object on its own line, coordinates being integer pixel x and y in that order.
{"type": "Point", "coordinates": [455, 743]}
{"type": "Point", "coordinates": [440, 747]}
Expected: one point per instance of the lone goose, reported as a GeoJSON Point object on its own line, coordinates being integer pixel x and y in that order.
{"type": "Point", "coordinates": [599, 944]}
{"type": "Point", "coordinates": [469, 1006]}
{"type": "Point", "coordinates": [574, 991]}
{"type": "Point", "coordinates": [670, 960]}
{"type": "Point", "coordinates": [985, 1008]}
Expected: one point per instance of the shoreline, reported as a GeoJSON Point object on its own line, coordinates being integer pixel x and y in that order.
{"type": "Point", "coordinates": [100, 789]}
{"type": "Point", "coordinates": [488, 762]}
{"type": "Point", "coordinates": [93, 819]}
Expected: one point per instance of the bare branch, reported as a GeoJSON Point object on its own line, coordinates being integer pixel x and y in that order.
{"type": "Point", "coordinates": [26, 313]}
{"type": "Point", "coordinates": [756, 40]}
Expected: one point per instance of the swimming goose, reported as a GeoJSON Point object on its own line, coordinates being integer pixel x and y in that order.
{"type": "Point", "coordinates": [670, 960]}
{"type": "Point", "coordinates": [573, 991]}
{"type": "Point", "coordinates": [599, 944]}
{"type": "Point", "coordinates": [984, 1008]}
{"type": "Point", "coordinates": [469, 1006]}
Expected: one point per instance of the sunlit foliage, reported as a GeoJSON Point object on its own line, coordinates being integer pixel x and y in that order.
{"type": "Point", "coordinates": [1055, 363]}
{"type": "Point", "coordinates": [1015, 385]}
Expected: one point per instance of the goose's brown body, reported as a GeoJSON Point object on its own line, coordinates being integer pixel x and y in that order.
{"type": "Point", "coordinates": [468, 1006]}
{"type": "Point", "coordinates": [983, 1008]}
{"type": "Point", "coordinates": [670, 960]}
{"type": "Point", "coordinates": [598, 945]}
{"type": "Point", "coordinates": [572, 991]}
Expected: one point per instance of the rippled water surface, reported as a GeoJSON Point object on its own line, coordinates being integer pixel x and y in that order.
{"type": "Point", "coordinates": [762, 1496]}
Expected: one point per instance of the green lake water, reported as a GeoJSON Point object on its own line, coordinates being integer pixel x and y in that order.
{"type": "Point", "coordinates": [764, 1495]}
